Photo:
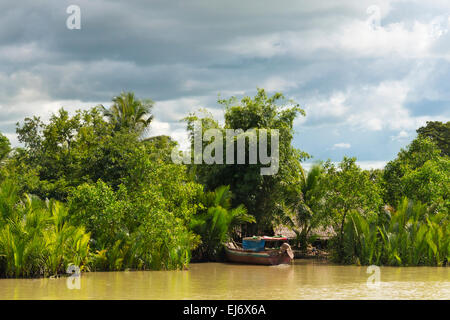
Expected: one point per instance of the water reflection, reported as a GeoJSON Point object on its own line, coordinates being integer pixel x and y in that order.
{"type": "Point", "coordinates": [305, 279]}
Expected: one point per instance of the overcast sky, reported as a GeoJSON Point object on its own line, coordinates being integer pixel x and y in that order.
{"type": "Point", "coordinates": [368, 73]}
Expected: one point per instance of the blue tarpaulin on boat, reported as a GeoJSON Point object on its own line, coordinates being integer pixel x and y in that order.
{"type": "Point", "coordinates": [254, 245]}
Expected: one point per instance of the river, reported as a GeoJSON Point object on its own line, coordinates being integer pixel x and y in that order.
{"type": "Point", "coordinates": [304, 279]}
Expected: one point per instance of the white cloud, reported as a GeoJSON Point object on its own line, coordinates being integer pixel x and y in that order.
{"type": "Point", "coordinates": [352, 37]}
{"type": "Point", "coordinates": [367, 107]}
{"type": "Point", "coordinates": [176, 131]}
{"type": "Point", "coordinates": [319, 110]}
{"type": "Point", "coordinates": [277, 83]}
{"type": "Point", "coordinates": [402, 135]}
{"type": "Point", "coordinates": [380, 106]}
{"type": "Point", "coordinates": [176, 109]}
{"type": "Point", "coordinates": [367, 165]}
{"type": "Point", "coordinates": [169, 114]}
{"type": "Point", "coordinates": [341, 145]}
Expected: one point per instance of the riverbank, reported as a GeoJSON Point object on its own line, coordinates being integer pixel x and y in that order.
{"type": "Point", "coordinates": [311, 254]}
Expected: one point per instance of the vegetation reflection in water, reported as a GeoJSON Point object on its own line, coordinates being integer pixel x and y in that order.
{"type": "Point", "coordinates": [304, 279]}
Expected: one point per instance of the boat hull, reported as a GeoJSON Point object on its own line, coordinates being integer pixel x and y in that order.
{"type": "Point", "coordinates": [262, 257]}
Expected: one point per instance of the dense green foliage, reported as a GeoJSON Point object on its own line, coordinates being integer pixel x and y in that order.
{"type": "Point", "coordinates": [5, 147]}
{"type": "Point", "coordinates": [261, 194]}
{"type": "Point", "coordinates": [66, 157]}
{"type": "Point", "coordinates": [440, 134]}
{"type": "Point", "coordinates": [216, 221]}
{"type": "Point", "coordinates": [417, 231]}
{"type": "Point", "coordinates": [146, 219]}
{"type": "Point", "coordinates": [420, 173]}
{"type": "Point", "coordinates": [345, 188]}
{"type": "Point", "coordinates": [71, 150]}
{"type": "Point", "coordinates": [36, 238]}
{"type": "Point", "coordinates": [114, 200]}
{"type": "Point", "coordinates": [68, 151]}
{"type": "Point", "coordinates": [137, 206]}
{"type": "Point", "coordinates": [409, 236]}
{"type": "Point", "coordinates": [303, 200]}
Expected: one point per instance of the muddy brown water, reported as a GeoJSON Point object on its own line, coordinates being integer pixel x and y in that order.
{"type": "Point", "coordinates": [304, 279]}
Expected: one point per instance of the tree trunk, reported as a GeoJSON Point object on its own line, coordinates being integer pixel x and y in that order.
{"type": "Point", "coordinates": [303, 238]}
{"type": "Point", "coordinates": [341, 238]}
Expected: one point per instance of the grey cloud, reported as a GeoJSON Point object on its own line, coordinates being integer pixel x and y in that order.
{"type": "Point", "coordinates": [177, 53]}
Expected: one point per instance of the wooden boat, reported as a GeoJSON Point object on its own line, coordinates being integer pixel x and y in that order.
{"type": "Point", "coordinates": [260, 255]}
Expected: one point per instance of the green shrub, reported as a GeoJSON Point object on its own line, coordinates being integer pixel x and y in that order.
{"type": "Point", "coordinates": [36, 238]}
{"type": "Point", "coordinates": [411, 235]}
{"type": "Point", "coordinates": [216, 221]}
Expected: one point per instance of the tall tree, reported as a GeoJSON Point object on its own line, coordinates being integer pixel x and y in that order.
{"type": "Point", "coordinates": [129, 113]}
{"type": "Point", "coordinates": [69, 150]}
{"type": "Point", "coordinates": [5, 146]}
{"type": "Point", "coordinates": [438, 132]}
{"type": "Point", "coordinates": [262, 195]}
{"type": "Point", "coordinates": [397, 172]}
{"type": "Point", "coordinates": [345, 188]}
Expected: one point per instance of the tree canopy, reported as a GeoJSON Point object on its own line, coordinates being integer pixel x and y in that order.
{"type": "Point", "coordinates": [438, 132]}
{"type": "Point", "coordinates": [419, 172]}
{"type": "Point", "coordinates": [5, 146]}
{"type": "Point", "coordinates": [262, 195]}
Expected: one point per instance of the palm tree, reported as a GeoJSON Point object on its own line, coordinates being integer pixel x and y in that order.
{"type": "Point", "coordinates": [129, 112]}
{"type": "Point", "coordinates": [217, 222]}
{"type": "Point", "coordinates": [36, 238]}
